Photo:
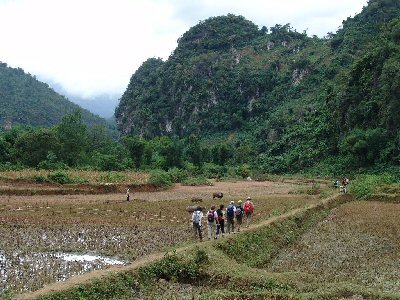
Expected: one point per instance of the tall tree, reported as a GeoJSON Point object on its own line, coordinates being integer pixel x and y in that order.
{"type": "Point", "coordinates": [73, 139]}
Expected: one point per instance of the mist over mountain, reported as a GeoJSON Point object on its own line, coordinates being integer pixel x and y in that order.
{"type": "Point", "coordinates": [103, 105]}
{"type": "Point", "coordinates": [26, 100]}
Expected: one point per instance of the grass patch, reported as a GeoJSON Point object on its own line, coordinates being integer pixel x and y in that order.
{"type": "Point", "coordinates": [257, 248]}
{"type": "Point", "coordinates": [176, 268]}
{"type": "Point", "coordinates": [113, 177]}
{"type": "Point", "coordinates": [121, 284]}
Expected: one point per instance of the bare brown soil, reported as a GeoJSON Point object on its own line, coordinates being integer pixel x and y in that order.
{"type": "Point", "coordinates": [27, 188]}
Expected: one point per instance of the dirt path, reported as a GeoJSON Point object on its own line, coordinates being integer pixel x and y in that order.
{"type": "Point", "coordinates": [87, 277]}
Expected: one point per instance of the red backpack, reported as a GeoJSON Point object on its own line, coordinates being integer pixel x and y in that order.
{"type": "Point", "coordinates": [248, 207]}
{"type": "Point", "coordinates": [210, 216]}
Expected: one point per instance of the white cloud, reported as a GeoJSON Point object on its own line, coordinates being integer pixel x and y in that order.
{"type": "Point", "coordinates": [94, 46]}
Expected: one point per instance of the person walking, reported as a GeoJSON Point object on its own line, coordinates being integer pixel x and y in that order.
{"type": "Point", "coordinates": [197, 218]}
{"type": "Point", "coordinates": [230, 217]}
{"type": "Point", "coordinates": [239, 215]}
{"type": "Point", "coordinates": [128, 191]}
{"type": "Point", "coordinates": [212, 220]}
{"type": "Point", "coordinates": [221, 221]}
{"type": "Point", "coordinates": [248, 210]}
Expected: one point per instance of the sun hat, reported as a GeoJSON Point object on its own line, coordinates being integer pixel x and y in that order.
{"type": "Point", "coordinates": [240, 201]}
{"type": "Point", "coordinates": [232, 202]}
{"type": "Point", "coordinates": [248, 198]}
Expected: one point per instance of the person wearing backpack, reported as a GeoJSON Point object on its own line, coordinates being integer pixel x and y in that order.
{"type": "Point", "coordinates": [221, 220]}
{"type": "Point", "coordinates": [239, 215]}
{"type": "Point", "coordinates": [197, 217]}
{"type": "Point", "coordinates": [212, 221]}
{"type": "Point", "coordinates": [248, 210]}
{"type": "Point", "coordinates": [230, 217]}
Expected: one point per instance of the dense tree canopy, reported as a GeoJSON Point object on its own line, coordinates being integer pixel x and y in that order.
{"type": "Point", "coordinates": [288, 100]}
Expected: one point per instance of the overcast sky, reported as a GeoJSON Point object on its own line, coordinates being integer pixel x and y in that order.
{"type": "Point", "coordinates": [92, 47]}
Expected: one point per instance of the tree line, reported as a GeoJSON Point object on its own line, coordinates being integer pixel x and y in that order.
{"type": "Point", "coordinates": [71, 144]}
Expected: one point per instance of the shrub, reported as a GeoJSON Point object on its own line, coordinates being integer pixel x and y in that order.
{"type": "Point", "coordinates": [51, 163]}
{"type": "Point", "coordinates": [60, 177]}
{"type": "Point", "coordinates": [160, 178]}
{"type": "Point", "coordinates": [46, 165]}
{"type": "Point", "coordinates": [243, 170]}
{"type": "Point", "coordinates": [191, 169]}
{"type": "Point", "coordinates": [171, 267]}
{"type": "Point", "coordinates": [177, 175]}
{"type": "Point", "coordinates": [111, 162]}
{"type": "Point", "coordinates": [200, 256]}
{"type": "Point", "coordinates": [365, 185]}
{"type": "Point", "coordinates": [12, 166]}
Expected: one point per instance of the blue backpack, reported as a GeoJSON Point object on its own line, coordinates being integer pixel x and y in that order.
{"type": "Point", "coordinates": [230, 211]}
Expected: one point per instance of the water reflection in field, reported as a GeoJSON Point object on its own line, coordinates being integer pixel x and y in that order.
{"type": "Point", "coordinates": [29, 271]}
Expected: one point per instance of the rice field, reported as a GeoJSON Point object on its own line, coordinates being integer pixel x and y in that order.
{"type": "Point", "coordinates": [50, 238]}
{"type": "Point", "coordinates": [358, 243]}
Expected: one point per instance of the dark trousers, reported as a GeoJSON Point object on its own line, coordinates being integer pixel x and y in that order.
{"type": "Point", "coordinates": [197, 230]}
{"type": "Point", "coordinates": [221, 226]}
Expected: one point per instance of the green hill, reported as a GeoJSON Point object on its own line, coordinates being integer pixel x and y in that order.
{"type": "Point", "coordinates": [27, 101]}
{"type": "Point", "coordinates": [296, 101]}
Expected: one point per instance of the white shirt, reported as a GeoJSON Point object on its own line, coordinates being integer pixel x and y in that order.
{"type": "Point", "coordinates": [197, 214]}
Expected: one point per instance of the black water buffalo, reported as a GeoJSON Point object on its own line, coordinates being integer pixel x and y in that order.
{"type": "Point", "coordinates": [218, 195]}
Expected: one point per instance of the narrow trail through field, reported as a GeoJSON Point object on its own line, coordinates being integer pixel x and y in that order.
{"type": "Point", "coordinates": [87, 277]}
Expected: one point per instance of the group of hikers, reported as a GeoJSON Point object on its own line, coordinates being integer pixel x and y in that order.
{"type": "Point", "coordinates": [344, 182]}
{"type": "Point", "coordinates": [216, 219]}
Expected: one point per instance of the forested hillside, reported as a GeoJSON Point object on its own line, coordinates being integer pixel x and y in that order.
{"type": "Point", "coordinates": [27, 101]}
{"type": "Point", "coordinates": [275, 98]}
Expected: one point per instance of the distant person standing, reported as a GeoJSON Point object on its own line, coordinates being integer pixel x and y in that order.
{"type": "Point", "coordinates": [248, 210]}
{"type": "Point", "coordinates": [221, 220]}
{"type": "Point", "coordinates": [230, 217]}
{"type": "Point", "coordinates": [336, 183]}
{"type": "Point", "coordinates": [128, 194]}
{"type": "Point", "coordinates": [197, 218]}
{"type": "Point", "coordinates": [212, 221]}
{"type": "Point", "coordinates": [239, 215]}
